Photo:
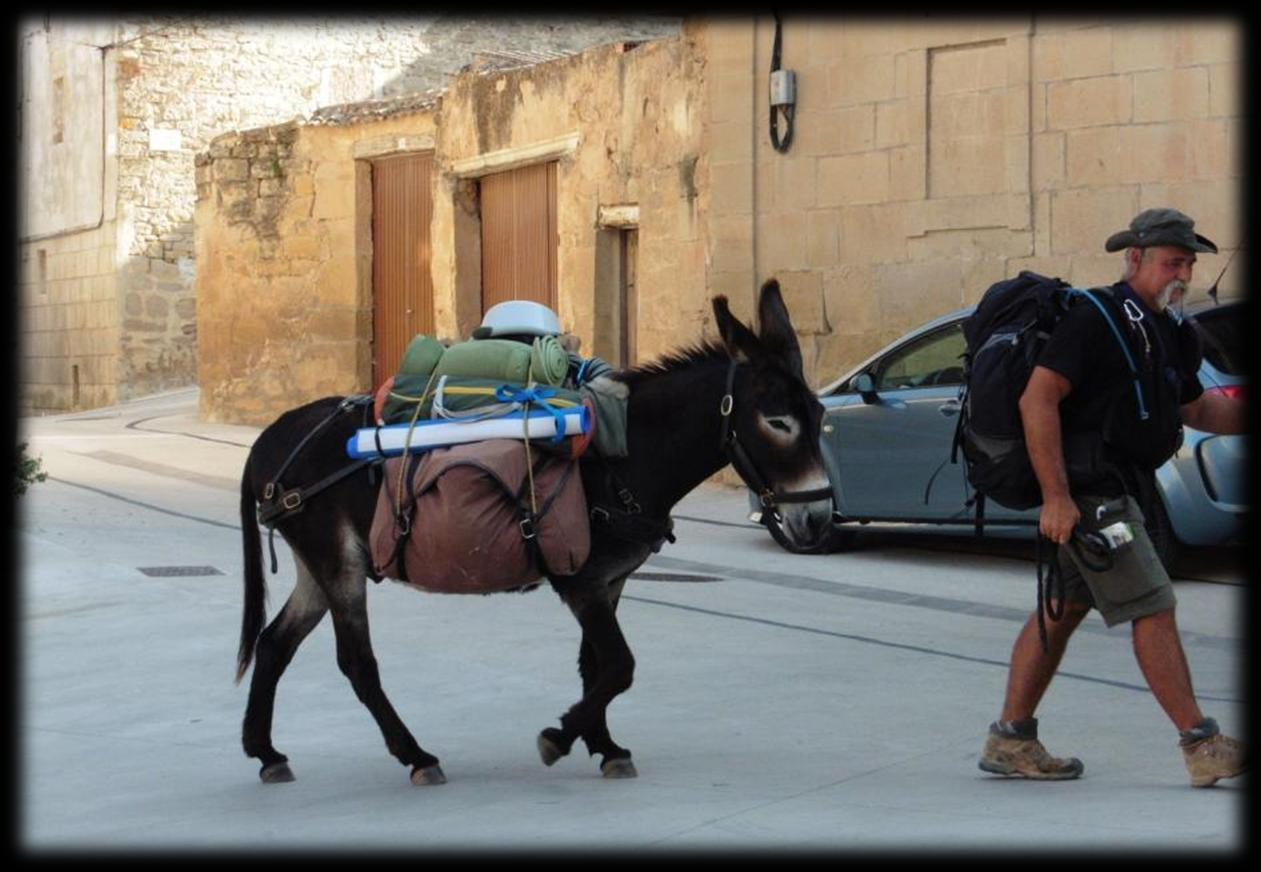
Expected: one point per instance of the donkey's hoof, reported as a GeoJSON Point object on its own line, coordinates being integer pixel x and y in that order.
{"type": "Point", "coordinates": [428, 775]}
{"type": "Point", "coordinates": [619, 767]}
{"type": "Point", "coordinates": [276, 773]}
{"type": "Point", "coordinates": [549, 750]}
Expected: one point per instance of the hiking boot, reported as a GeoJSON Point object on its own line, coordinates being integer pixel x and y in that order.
{"type": "Point", "coordinates": [1013, 749]}
{"type": "Point", "coordinates": [1213, 758]}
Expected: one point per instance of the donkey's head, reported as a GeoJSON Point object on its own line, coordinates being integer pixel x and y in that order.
{"type": "Point", "coordinates": [771, 419]}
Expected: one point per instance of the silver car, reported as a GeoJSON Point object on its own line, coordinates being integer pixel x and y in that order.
{"type": "Point", "coordinates": [889, 427]}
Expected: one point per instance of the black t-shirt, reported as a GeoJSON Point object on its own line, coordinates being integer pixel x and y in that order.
{"type": "Point", "coordinates": [1085, 351]}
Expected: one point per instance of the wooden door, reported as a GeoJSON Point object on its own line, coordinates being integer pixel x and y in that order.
{"type": "Point", "coordinates": [519, 235]}
{"type": "Point", "coordinates": [402, 287]}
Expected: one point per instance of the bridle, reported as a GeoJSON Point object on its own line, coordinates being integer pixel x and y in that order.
{"type": "Point", "coordinates": [768, 497]}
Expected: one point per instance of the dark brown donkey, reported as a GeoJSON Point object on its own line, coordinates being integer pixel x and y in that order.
{"type": "Point", "coordinates": [743, 401]}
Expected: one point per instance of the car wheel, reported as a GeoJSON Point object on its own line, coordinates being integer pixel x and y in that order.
{"type": "Point", "coordinates": [834, 540]}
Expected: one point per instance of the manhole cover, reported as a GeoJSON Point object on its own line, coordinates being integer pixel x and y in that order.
{"type": "Point", "coordinates": [172, 571]}
{"type": "Point", "coordinates": [672, 576]}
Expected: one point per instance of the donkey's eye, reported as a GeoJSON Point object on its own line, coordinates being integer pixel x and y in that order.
{"type": "Point", "coordinates": [780, 429]}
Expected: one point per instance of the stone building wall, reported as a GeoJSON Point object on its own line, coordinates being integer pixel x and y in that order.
{"type": "Point", "coordinates": [933, 157]}
{"type": "Point", "coordinates": [284, 305]}
{"type": "Point", "coordinates": [929, 159]}
{"type": "Point", "coordinates": [172, 84]}
{"type": "Point", "coordinates": [633, 112]}
{"type": "Point", "coordinates": [284, 251]}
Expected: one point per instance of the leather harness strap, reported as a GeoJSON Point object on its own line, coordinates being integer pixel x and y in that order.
{"type": "Point", "coordinates": [278, 503]}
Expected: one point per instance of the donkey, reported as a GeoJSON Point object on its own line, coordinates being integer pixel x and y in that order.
{"type": "Point", "coordinates": [742, 400]}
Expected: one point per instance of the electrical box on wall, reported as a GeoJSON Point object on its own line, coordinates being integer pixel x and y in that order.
{"type": "Point", "coordinates": [783, 87]}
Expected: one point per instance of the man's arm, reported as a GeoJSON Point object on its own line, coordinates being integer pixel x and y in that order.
{"type": "Point", "coordinates": [1040, 414]}
{"type": "Point", "coordinates": [1214, 413]}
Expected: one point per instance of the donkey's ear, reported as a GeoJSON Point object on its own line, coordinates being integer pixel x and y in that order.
{"type": "Point", "coordinates": [741, 343]}
{"type": "Point", "coordinates": [777, 332]}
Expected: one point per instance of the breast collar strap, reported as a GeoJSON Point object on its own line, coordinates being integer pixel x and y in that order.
{"type": "Point", "coordinates": [767, 496]}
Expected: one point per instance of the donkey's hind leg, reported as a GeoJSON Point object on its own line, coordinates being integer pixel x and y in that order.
{"type": "Point", "coordinates": [607, 668]}
{"type": "Point", "coordinates": [276, 646]}
{"type": "Point", "coordinates": [355, 658]}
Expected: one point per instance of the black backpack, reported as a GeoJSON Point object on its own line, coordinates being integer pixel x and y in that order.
{"type": "Point", "coordinates": [1003, 338]}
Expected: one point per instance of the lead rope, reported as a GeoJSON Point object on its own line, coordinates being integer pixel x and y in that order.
{"type": "Point", "coordinates": [407, 444]}
{"type": "Point", "coordinates": [1054, 573]}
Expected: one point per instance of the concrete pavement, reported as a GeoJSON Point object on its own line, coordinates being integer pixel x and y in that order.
{"type": "Point", "coordinates": [783, 703]}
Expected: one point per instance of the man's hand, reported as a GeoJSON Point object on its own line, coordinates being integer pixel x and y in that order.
{"type": "Point", "coordinates": [1057, 519]}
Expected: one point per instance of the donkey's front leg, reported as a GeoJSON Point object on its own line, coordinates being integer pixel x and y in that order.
{"type": "Point", "coordinates": [355, 657]}
{"type": "Point", "coordinates": [608, 669]}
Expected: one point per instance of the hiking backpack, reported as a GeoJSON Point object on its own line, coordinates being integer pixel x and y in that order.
{"type": "Point", "coordinates": [1003, 339]}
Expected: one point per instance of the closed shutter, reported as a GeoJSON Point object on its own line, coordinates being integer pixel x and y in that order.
{"type": "Point", "coordinates": [402, 287]}
{"type": "Point", "coordinates": [519, 236]}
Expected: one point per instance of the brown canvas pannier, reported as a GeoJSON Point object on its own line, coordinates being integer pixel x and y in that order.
{"type": "Point", "coordinates": [461, 519]}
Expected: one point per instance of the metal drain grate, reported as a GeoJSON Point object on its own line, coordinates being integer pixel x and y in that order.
{"type": "Point", "coordinates": [672, 576]}
{"type": "Point", "coordinates": [177, 571]}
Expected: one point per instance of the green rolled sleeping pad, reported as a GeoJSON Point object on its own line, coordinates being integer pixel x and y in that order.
{"type": "Point", "coordinates": [422, 355]}
{"type": "Point", "coordinates": [543, 361]}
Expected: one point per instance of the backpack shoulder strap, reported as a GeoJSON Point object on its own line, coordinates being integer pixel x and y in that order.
{"type": "Point", "coordinates": [1093, 296]}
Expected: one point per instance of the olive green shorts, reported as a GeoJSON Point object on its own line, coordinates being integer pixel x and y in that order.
{"type": "Point", "coordinates": [1137, 585]}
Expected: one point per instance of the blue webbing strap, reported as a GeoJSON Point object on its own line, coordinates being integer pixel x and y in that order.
{"type": "Point", "coordinates": [1125, 349]}
{"type": "Point", "coordinates": [534, 396]}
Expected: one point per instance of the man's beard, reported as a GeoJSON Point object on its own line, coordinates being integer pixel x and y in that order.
{"type": "Point", "coordinates": [1165, 294]}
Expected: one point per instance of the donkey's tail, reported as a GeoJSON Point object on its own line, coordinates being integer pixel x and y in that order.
{"type": "Point", "coordinates": [255, 583]}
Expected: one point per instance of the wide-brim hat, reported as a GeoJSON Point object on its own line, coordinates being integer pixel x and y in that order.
{"type": "Point", "coordinates": [1160, 227]}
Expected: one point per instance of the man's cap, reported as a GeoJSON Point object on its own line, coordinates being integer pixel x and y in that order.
{"type": "Point", "coordinates": [1160, 227]}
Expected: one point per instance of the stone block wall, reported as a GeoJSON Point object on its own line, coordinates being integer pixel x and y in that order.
{"type": "Point", "coordinates": [69, 321]}
{"type": "Point", "coordinates": [932, 157]}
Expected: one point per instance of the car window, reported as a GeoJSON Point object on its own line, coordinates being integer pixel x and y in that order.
{"type": "Point", "coordinates": [1221, 331]}
{"type": "Point", "coordinates": [931, 360]}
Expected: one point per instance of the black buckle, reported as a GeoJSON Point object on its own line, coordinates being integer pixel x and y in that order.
{"type": "Point", "coordinates": [527, 528]}
{"type": "Point", "coordinates": [290, 501]}
{"type": "Point", "coordinates": [628, 500]}
{"type": "Point", "coordinates": [600, 514]}
{"type": "Point", "coordinates": [403, 524]}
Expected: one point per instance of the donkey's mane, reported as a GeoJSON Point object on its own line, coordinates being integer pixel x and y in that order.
{"type": "Point", "coordinates": [680, 358]}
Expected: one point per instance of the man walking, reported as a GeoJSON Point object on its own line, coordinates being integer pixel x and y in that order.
{"type": "Point", "coordinates": [1070, 401]}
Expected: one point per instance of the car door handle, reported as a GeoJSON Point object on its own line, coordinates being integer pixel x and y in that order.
{"type": "Point", "coordinates": [949, 408]}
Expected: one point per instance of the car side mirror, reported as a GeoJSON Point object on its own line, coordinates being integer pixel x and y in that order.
{"type": "Point", "coordinates": [866, 387]}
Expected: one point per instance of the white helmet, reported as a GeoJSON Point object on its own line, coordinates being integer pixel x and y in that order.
{"type": "Point", "coordinates": [519, 317]}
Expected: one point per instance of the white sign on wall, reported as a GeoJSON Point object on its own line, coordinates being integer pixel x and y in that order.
{"type": "Point", "coordinates": [162, 139]}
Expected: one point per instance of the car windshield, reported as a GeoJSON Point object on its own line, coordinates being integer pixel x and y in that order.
{"type": "Point", "coordinates": [1221, 329]}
